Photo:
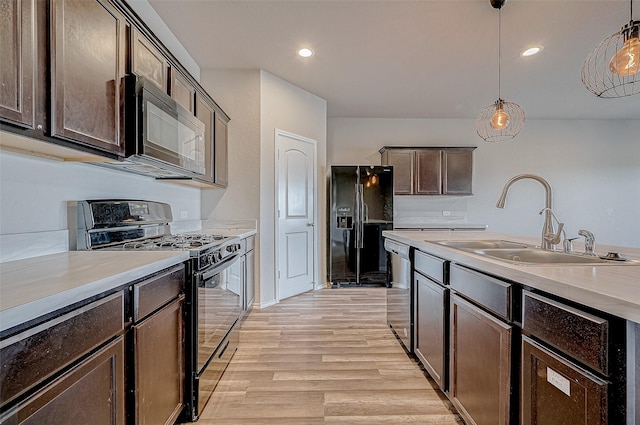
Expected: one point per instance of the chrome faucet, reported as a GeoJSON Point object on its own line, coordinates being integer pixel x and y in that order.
{"type": "Point", "coordinates": [554, 238]}
{"type": "Point", "coordinates": [547, 227]}
{"type": "Point", "coordinates": [589, 241]}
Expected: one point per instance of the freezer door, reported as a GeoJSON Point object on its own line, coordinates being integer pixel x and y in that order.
{"type": "Point", "coordinates": [341, 226]}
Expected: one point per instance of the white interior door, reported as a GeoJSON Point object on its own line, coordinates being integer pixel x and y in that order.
{"type": "Point", "coordinates": [296, 218]}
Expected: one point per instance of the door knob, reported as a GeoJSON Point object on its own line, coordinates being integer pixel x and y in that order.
{"type": "Point", "coordinates": [310, 224]}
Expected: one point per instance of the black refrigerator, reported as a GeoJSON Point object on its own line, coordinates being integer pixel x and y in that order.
{"type": "Point", "coordinates": [360, 209]}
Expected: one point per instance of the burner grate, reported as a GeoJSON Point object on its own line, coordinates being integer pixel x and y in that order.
{"type": "Point", "coordinates": [180, 241]}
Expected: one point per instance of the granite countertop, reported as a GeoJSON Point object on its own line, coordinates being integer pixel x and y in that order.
{"type": "Point", "coordinates": [611, 288]}
{"type": "Point", "coordinates": [37, 286]}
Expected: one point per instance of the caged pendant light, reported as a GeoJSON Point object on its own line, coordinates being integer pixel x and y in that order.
{"type": "Point", "coordinates": [612, 70]}
{"type": "Point", "coordinates": [501, 120]}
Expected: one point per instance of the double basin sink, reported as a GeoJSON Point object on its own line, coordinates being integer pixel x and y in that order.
{"type": "Point", "coordinates": [519, 253]}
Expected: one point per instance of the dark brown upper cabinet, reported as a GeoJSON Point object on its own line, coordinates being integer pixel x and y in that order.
{"type": "Point", "coordinates": [147, 61]}
{"type": "Point", "coordinates": [88, 53]}
{"type": "Point", "coordinates": [205, 112]}
{"type": "Point", "coordinates": [221, 150]}
{"type": "Point", "coordinates": [430, 170]}
{"type": "Point", "coordinates": [215, 134]}
{"type": "Point", "coordinates": [457, 170]}
{"type": "Point", "coordinates": [63, 68]}
{"type": "Point", "coordinates": [402, 161]}
{"type": "Point", "coordinates": [182, 91]}
{"type": "Point", "coordinates": [17, 50]}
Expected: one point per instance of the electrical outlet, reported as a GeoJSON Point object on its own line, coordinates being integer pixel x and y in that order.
{"type": "Point", "coordinates": [447, 213]}
{"type": "Point", "coordinates": [184, 214]}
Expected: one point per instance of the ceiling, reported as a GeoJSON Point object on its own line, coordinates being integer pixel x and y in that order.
{"type": "Point", "coordinates": [412, 59]}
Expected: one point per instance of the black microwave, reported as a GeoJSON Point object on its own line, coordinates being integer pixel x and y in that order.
{"type": "Point", "coordinates": [162, 137]}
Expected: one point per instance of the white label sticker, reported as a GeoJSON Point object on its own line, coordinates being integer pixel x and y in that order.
{"type": "Point", "coordinates": [558, 381]}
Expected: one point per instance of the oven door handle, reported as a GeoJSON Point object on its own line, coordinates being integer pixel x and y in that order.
{"type": "Point", "coordinates": [203, 276]}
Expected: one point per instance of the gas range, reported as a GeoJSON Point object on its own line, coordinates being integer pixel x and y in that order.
{"type": "Point", "coordinates": [214, 290]}
{"type": "Point", "coordinates": [134, 225]}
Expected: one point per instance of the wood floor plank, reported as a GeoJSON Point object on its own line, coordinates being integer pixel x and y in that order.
{"type": "Point", "coordinates": [325, 357]}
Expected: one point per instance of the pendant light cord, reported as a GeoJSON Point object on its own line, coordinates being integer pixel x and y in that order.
{"type": "Point", "coordinates": [499, 49]}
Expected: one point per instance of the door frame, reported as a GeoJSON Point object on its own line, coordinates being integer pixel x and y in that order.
{"type": "Point", "coordinates": [278, 248]}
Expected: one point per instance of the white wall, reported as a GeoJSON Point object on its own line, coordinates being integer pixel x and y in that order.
{"type": "Point", "coordinates": [289, 108]}
{"type": "Point", "coordinates": [258, 103]}
{"type": "Point", "coordinates": [238, 94]}
{"type": "Point", "coordinates": [592, 166]}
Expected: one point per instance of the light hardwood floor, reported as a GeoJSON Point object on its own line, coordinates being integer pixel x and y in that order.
{"type": "Point", "coordinates": [324, 357]}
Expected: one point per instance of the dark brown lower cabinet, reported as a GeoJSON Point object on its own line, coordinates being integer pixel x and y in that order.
{"type": "Point", "coordinates": [480, 364]}
{"type": "Point", "coordinates": [429, 327]}
{"type": "Point", "coordinates": [555, 391]}
{"type": "Point", "coordinates": [92, 392]}
{"type": "Point", "coordinates": [159, 366]}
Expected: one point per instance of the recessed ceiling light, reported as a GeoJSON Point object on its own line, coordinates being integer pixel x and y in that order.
{"type": "Point", "coordinates": [532, 51]}
{"type": "Point", "coordinates": [305, 53]}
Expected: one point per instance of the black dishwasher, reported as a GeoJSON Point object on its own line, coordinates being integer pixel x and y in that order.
{"type": "Point", "coordinates": [573, 364]}
{"type": "Point", "coordinates": [399, 317]}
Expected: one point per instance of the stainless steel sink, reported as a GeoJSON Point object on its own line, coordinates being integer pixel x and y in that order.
{"type": "Point", "coordinates": [538, 256]}
{"type": "Point", "coordinates": [483, 244]}
{"type": "Point", "coordinates": [520, 253]}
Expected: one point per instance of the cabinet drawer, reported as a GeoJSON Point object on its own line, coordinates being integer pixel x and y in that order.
{"type": "Point", "coordinates": [92, 392]}
{"type": "Point", "coordinates": [153, 293]}
{"type": "Point", "coordinates": [36, 354]}
{"type": "Point", "coordinates": [430, 266]}
{"type": "Point", "coordinates": [491, 293]}
{"type": "Point", "coordinates": [581, 335]}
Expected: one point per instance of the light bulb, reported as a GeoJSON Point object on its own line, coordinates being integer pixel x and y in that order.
{"type": "Point", "coordinates": [499, 120]}
{"type": "Point", "coordinates": [374, 179]}
{"type": "Point", "coordinates": [305, 52]}
{"type": "Point", "coordinates": [626, 62]}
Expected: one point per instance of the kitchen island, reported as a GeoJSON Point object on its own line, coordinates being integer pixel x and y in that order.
{"type": "Point", "coordinates": [510, 341]}
{"type": "Point", "coordinates": [613, 287]}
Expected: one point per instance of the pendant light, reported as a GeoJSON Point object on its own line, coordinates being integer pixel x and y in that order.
{"type": "Point", "coordinates": [501, 120]}
{"type": "Point", "coordinates": [613, 69]}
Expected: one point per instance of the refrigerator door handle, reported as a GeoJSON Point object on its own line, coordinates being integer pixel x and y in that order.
{"type": "Point", "coordinates": [359, 216]}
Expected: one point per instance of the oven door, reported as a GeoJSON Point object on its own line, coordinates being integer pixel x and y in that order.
{"type": "Point", "coordinates": [219, 307]}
